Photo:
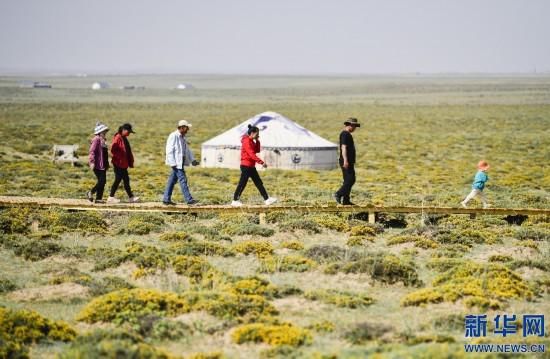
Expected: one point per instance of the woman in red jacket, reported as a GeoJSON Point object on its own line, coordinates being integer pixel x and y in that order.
{"type": "Point", "coordinates": [250, 146]}
{"type": "Point", "coordinates": [122, 159]}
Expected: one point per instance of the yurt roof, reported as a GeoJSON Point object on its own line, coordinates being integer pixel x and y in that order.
{"type": "Point", "coordinates": [276, 131]}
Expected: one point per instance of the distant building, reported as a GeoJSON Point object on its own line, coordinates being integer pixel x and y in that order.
{"type": "Point", "coordinates": [34, 84]}
{"type": "Point", "coordinates": [100, 85]}
{"type": "Point", "coordinates": [42, 85]}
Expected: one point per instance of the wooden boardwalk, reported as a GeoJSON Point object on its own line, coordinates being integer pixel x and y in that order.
{"type": "Point", "coordinates": [84, 205]}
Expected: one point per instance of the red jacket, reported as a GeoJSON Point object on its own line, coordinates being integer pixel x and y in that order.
{"type": "Point", "coordinates": [249, 149]}
{"type": "Point", "coordinates": [122, 157]}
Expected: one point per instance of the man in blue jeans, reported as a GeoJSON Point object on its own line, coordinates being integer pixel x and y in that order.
{"type": "Point", "coordinates": [178, 155]}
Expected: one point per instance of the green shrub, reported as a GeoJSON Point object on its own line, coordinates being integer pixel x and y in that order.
{"type": "Point", "coordinates": [229, 306]}
{"type": "Point", "coordinates": [175, 237]}
{"type": "Point", "coordinates": [261, 249]}
{"type": "Point", "coordinates": [128, 305]}
{"type": "Point", "coordinates": [477, 284]}
{"type": "Point", "coordinates": [362, 230]}
{"type": "Point", "coordinates": [340, 299]}
{"type": "Point", "coordinates": [286, 263]}
{"type": "Point", "coordinates": [292, 244]}
{"type": "Point", "coordinates": [332, 221]}
{"type": "Point", "coordinates": [286, 334]}
{"type": "Point", "coordinates": [111, 344]}
{"type": "Point", "coordinates": [250, 229]}
{"type": "Point", "coordinates": [35, 250]}
{"type": "Point", "coordinates": [322, 326]}
{"type": "Point", "coordinates": [144, 224]}
{"type": "Point", "coordinates": [329, 254]}
{"type": "Point", "coordinates": [196, 248]}
{"type": "Point", "coordinates": [15, 220]}
{"type": "Point", "coordinates": [362, 333]}
{"type": "Point", "coordinates": [307, 225]}
{"type": "Point", "coordinates": [193, 267]}
{"type": "Point", "coordinates": [532, 233]}
{"type": "Point", "coordinates": [385, 268]}
{"type": "Point", "coordinates": [61, 221]}
{"type": "Point", "coordinates": [20, 328]}
{"type": "Point", "coordinates": [6, 286]}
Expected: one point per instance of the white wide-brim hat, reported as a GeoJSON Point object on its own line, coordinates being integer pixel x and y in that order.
{"type": "Point", "coordinates": [100, 128]}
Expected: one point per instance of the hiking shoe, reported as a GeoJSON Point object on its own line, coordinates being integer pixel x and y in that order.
{"type": "Point", "coordinates": [337, 198]}
{"type": "Point", "coordinates": [100, 201]}
{"type": "Point", "coordinates": [270, 201]}
{"type": "Point", "coordinates": [192, 202]}
{"type": "Point", "coordinates": [90, 196]}
{"type": "Point", "coordinates": [113, 200]}
{"type": "Point", "coordinates": [349, 204]}
{"type": "Point", "coordinates": [236, 204]}
{"type": "Point", "coordinates": [169, 203]}
{"type": "Point", "coordinates": [134, 199]}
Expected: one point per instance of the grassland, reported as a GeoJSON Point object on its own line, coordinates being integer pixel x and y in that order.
{"type": "Point", "coordinates": [313, 286]}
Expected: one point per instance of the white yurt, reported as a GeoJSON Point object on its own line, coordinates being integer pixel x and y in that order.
{"type": "Point", "coordinates": [184, 87]}
{"type": "Point", "coordinates": [284, 144]}
{"type": "Point", "coordinates": [100, 85]}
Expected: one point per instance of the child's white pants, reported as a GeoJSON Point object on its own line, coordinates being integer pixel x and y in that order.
{"type": "Point", "coordinates": [475, 192]}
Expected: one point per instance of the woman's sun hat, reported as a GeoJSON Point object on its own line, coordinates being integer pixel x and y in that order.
{"type": "Point", "coordinates": [100, 127]}
{"type": "Point", "coordinates": [483, 165]}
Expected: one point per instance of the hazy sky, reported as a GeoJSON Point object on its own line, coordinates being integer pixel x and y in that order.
{"type": "Point", "coordinates": [277, 36]}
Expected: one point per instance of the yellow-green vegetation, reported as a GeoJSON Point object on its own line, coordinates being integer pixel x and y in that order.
{"type": "Point", "coordinates": [480, 285]}
{"type": "Point", "coordinates": [112, 344]}
{"type": "Point", "coordinates": [292, 244]}
{"type": "Point", "coordinates": [174, 237]}
{"type": "Point", "coordinates": [131, 305]}
{"type": "Point", "coordinates": [286, 263]}
{"type": "Point", "coordinates": [21, 328]}
{"type": "Point", "coordinates": [180, 285]}
{"type": "Point", "coordinates": [339, 299]}
{"type": "Point", "coordinates": [144, 223]}
{"type": "Point", "coordinates": [386, 268]}
{"type": "Point", "coordinates": [332, 221]}
{"type": "Point", "coordinates": [419, 241]}
{"type": "Point", "coordinates": [325, 326]}
{"type": "Point", "coordinates": [191, 266]}
{"type": "Point", "coordinates": [284, 334]}
{"type": "Point", "coordinates": [261, 249]}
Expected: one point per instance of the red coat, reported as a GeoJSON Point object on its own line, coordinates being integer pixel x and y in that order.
{"type": "Point", "coordinates": [249, 149]}
{"type": "Point", "coordinates": [122, 157]}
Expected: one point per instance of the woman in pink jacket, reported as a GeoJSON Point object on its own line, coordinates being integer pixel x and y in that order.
{"type": "Point", "coordinates": [99, 162]}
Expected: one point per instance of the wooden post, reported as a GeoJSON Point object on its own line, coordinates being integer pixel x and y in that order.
{"type": "Point", "coordinates": [263, 221]}
{"type": "Point", "coordinates": [372, 217]}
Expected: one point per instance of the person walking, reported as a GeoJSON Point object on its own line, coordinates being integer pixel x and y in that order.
{"type": "Point", "coordinates": [99, 162]}
{"type": "Point", "coordinates": [250, 145]}
{"type": "Point", "coordinates": [347, 162]}
{"type": "Point", "coordinates": [478, 186]}
{"type": "Point", "coordinates": [179, 155]}
{"type": "Point", "coordinates": [122, 160]}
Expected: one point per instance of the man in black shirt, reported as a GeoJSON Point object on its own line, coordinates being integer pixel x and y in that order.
{"type": "Point", "coordinates": [347, 162]}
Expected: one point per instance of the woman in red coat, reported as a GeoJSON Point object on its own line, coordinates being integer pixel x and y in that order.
{"type": "Point", "coordinates": [122, 160]}
{"type": "Point", "coordinates": [250, 146]}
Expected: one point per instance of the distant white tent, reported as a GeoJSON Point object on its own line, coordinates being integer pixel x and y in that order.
{"type": "Point", "coordinates": [100, 85]}
{"type": "Point", "coordinates": [184, 87]}
{"type": "Point", "coordinates": [285, 145]}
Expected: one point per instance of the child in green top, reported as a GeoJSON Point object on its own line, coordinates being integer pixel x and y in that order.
{"type": "Point", "coordinates": [478, 185]}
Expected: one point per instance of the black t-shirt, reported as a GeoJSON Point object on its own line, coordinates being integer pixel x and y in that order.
{"type": "Point", "coordinates": [347, 139]}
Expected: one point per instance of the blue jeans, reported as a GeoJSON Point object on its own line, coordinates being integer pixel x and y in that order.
{"type": "Point", "coordinates": [177, 175]}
